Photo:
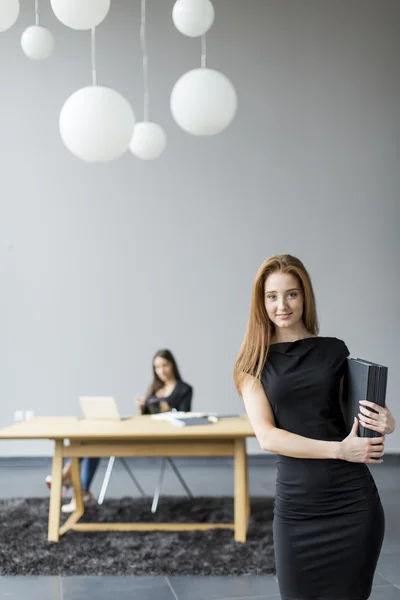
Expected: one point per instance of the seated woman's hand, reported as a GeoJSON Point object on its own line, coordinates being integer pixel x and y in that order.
{"type": "Point", "coordinates": [164, 406]}
{"type": "Point", "coordinates": [381, 421]}
{"type": "Point", "coordinates": [140, 402]}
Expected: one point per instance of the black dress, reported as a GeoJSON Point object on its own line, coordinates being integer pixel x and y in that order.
{"type": "Point", "coordinates": [328, 519]}
{"type": "Point", "coordinates": [180, 399]}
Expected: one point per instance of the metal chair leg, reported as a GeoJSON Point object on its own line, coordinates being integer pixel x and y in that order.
{"type": "Point", "coordinates": [179, 476]}
{"type": "Point", "coordinates": [133, 478]}
{"type": "Point", "coordinates": [106, 479]}
{"type": "Point", "coordinates": [158, 488]}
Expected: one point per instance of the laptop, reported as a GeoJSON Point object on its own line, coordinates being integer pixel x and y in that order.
{"type": "Point", "coordinates": [99, 408]}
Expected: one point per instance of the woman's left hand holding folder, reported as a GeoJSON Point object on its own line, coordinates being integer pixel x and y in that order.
{"type": "Point", "coordinates": [381, 421]}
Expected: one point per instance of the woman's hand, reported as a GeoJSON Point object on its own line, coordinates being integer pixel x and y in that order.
{"type": "Point", "coordinates": [383, 422]}
{"type": "Point", "coordinates": [140, 402]}
{"type": "Point", "coordinates": [164, 406]}
{"type": "Point", "coordinates": [361, 450]}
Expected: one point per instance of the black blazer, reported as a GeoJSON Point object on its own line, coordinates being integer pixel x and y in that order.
{"type": "Point", "coordinates": [180, 398]}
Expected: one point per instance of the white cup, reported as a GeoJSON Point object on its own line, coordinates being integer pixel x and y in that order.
{"type": "Point", "coordinates": [18, 416]}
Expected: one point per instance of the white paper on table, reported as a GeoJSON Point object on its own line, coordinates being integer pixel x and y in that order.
{"type": "Point", "coordinates": [172, 416]}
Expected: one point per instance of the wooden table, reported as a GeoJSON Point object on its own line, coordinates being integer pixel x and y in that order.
{"type": "Point", "coordinates": [137, 436]}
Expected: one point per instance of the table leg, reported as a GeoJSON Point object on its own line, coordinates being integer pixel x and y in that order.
{"type": "Point", "coordinates": [76, 483]}
{"type": "Point", "coordinates": [55, 493]}
{"type": "Point", "coordinates": [248, 511]}
{"type": "Point", "coordinates": [241, 497]}
{"type": "Point", "coordinates": [79, 506]}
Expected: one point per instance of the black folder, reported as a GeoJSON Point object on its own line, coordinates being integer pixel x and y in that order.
{"type": "Point", "coordinates": [363, 380]}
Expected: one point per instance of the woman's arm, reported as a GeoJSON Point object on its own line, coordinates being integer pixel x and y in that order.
{"type": "Point", "coordinates": [180, 399]}
{"type": "Point", "coordinates": [183, 400]}
{"type": "Point", "coordinates": [142, 405]}
{"type": "Point", "coordinates": [278, 441]}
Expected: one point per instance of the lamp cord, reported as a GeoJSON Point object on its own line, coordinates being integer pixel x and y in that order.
{"type": "Point", "coordinates": [94, 70]}
{"type": "Point", "coordinates": [144, 61]}
{"type": "Point", "coordinates": [203, 51]}
{"type": "Point", "coordinates": [37, 21]}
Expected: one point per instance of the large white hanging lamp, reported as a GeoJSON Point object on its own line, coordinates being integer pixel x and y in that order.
{"type": "Point", "coordinates": [193, 17]}
{"type": "Point", "coordinates": [203, 101]}
{"type": "Point", "coordinates": [37, 41]}
{"type": "Point", "coordinates": [80, 14]}
{"type": "Point", "coordinates": [96, 122]}
{"type": "Point", "coordinates": [149, 139]}
{"type": "Point", "coordinates": [9, 11]}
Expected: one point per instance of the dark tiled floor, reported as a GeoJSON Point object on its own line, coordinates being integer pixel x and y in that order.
{"type": "Point", "coordinates": [25, 477]}
{"type": "Point", "coordinates": [156, 588]}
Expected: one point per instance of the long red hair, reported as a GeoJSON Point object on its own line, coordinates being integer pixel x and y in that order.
{"type": "Point", "coordinates": [257, 340]}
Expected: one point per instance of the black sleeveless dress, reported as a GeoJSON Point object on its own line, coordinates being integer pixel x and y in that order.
{"type": "Point", "coordinates": [328, 518]}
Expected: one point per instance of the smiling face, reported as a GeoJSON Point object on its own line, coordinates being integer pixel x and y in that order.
{"type": "Point", "coordinates": [164, 369]}
{"type": "Point", "coordinates": [284, 301]}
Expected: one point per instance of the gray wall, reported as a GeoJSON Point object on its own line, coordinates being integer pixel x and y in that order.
{"type": "Point", "coordinates": [111, 262]}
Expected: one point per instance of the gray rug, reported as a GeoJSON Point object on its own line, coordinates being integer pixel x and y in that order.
{"type": "Point", "coordinates": [24, 549]}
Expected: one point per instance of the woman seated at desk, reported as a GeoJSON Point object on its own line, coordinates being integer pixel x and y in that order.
{"type": "Point", "coordinates": [167, 392]}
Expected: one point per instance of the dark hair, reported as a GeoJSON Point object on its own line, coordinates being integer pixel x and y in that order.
{"type": "Point", "coordinates": [157, 384]}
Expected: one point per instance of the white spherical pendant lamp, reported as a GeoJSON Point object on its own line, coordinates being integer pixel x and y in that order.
{"type": "Point", "coordinates": [203, 102]}
{"type": "Point", "coordinates": [193, 17]}
{"type": "Point", "coordinates": [96, 124]}
{"type": "Point", "coordinates": [37, 42]}
{"type": "Point", "coordinates": [80, 14]}
{"type": "Point", "coordinates": [148, 141]}
{"type": "Point", "coordinates": [9, 11]}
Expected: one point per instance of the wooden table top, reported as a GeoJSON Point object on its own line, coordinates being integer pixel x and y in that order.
{"type": "Point", "coordinates": [139, 427]}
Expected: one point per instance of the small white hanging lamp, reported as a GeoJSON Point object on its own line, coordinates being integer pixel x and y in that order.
{"type": "Point", "coordinates": [203, 101]}
{"type": "Point", "coordinates": [37, 42]}
{"type": "Point", "coordinates": [96, 122]}
{"type": "Point", "coordinates": [193, 17]}
{"type": "Point", "coordinates": [81, 14]}
{"type": "Point", "coordinates": [9, 11]}
{"type": "Point", "coordinates": [149, 139]}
